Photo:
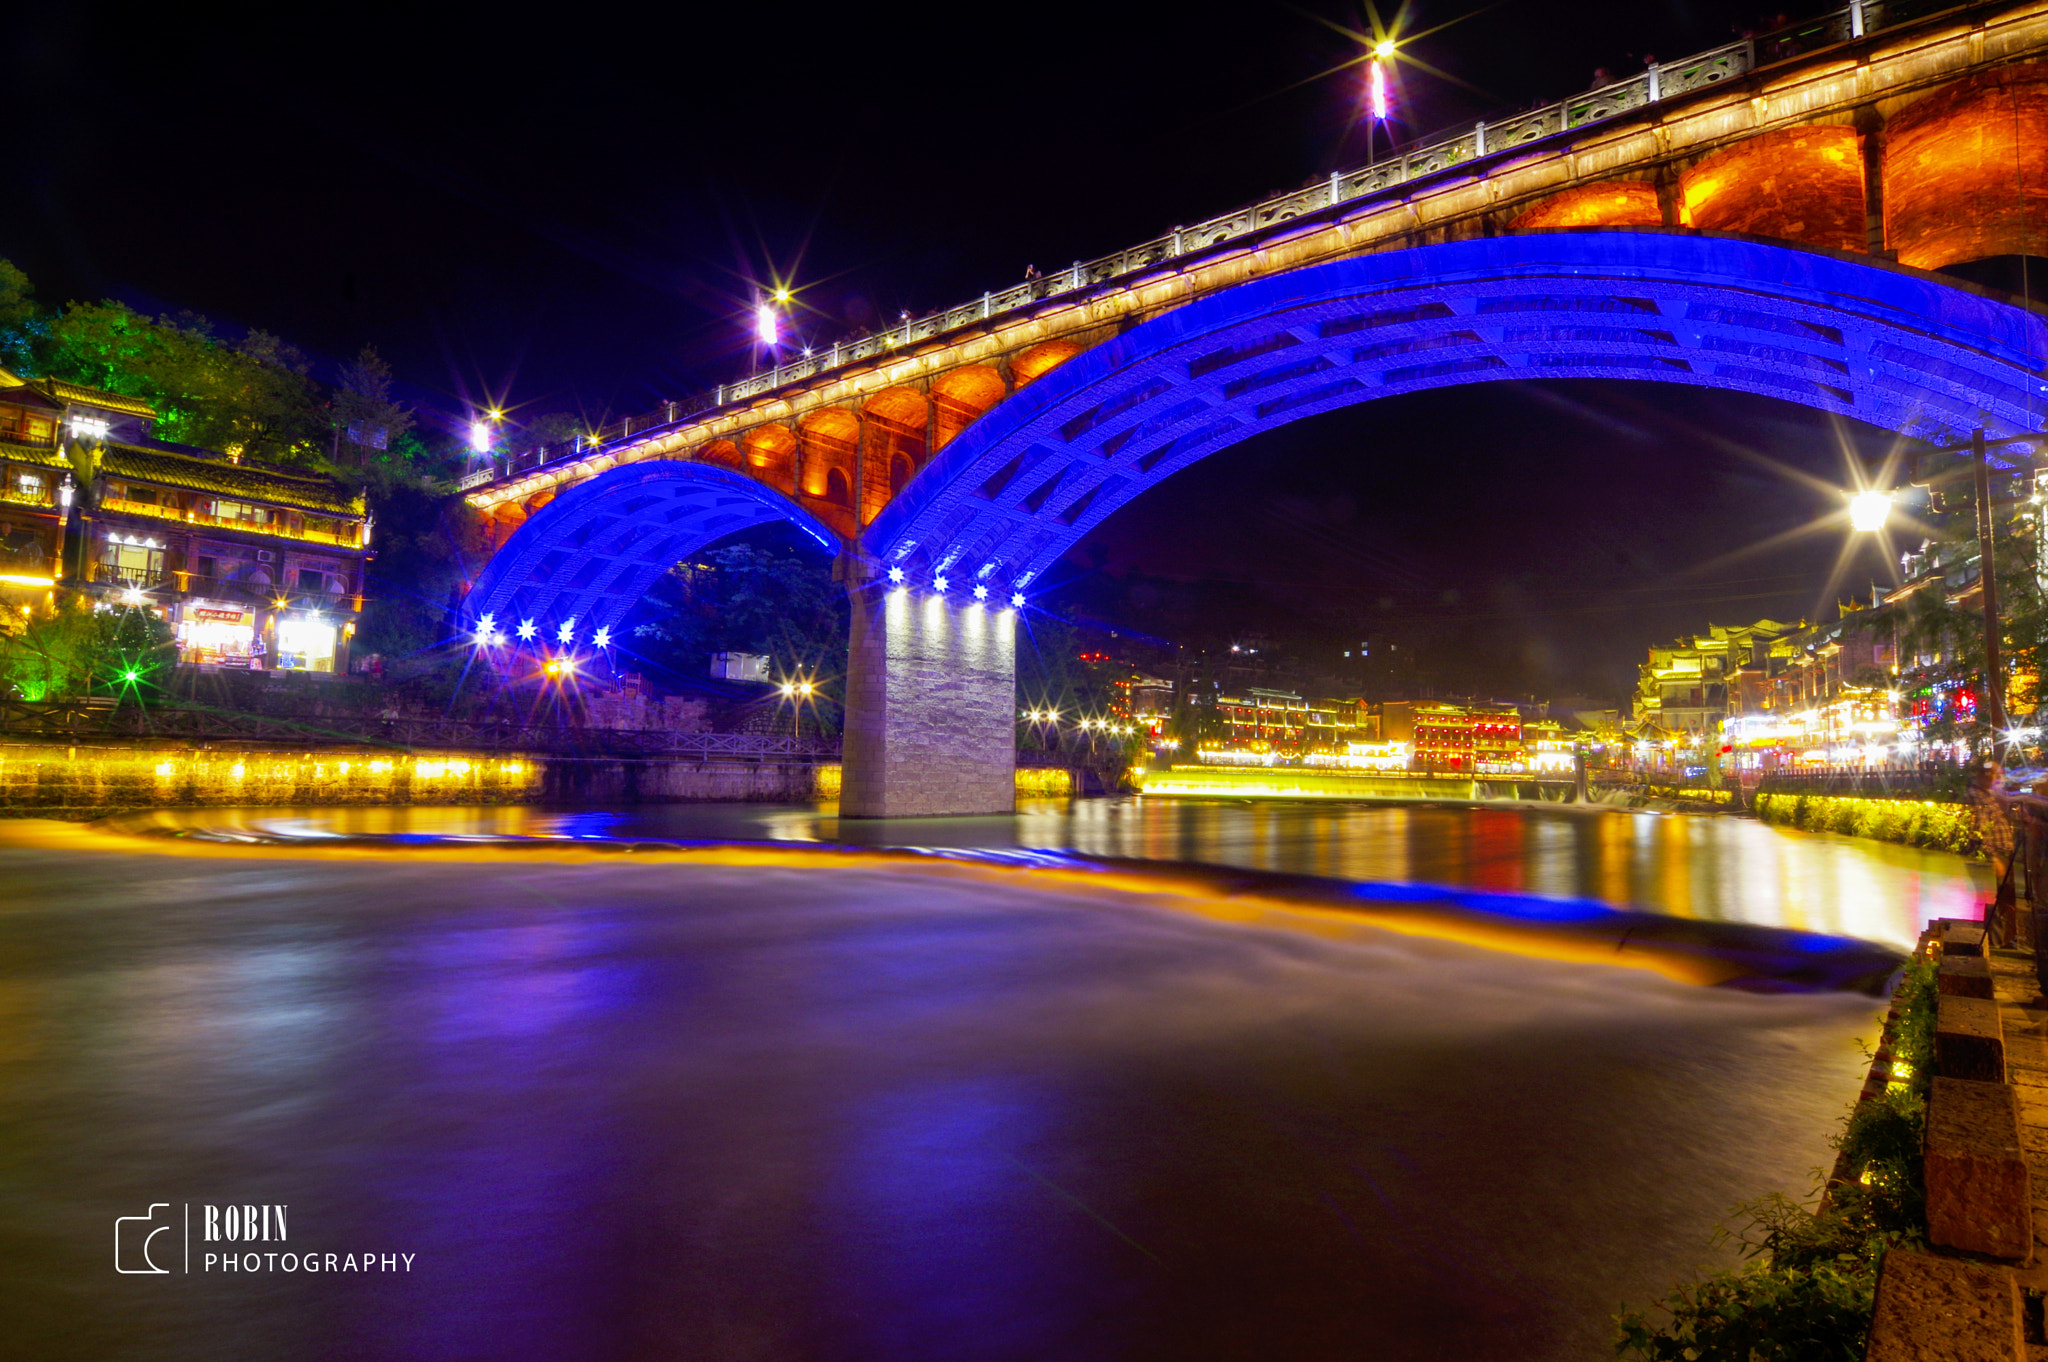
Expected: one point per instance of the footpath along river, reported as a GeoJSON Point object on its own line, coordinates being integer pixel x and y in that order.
{"type": "Point", "coordinates": [718, 1104]}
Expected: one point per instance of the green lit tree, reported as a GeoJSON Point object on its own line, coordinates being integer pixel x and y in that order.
{"type": "Point", "coordinates": [80, 651]}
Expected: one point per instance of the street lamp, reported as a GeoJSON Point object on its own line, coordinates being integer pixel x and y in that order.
{"type": "Point", "coordinates": [797, 693]}
{"type": "Point", "coordinates": [1376, 91]}
{"type": "Point", "coordinates": [1869, 510]}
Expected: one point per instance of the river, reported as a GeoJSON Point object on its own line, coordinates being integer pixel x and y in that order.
{"type": "Point", "coordinates": [719, 1105]}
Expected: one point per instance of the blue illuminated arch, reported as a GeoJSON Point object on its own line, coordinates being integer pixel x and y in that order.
{"type": "Point", "coordinates": [593, 551]}
{"type": "Point", "coordinates": [1898, 348]}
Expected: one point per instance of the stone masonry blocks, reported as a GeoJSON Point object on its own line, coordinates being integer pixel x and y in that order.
{"type": "Point", "coordinates": [1978, 1196]}
{"type": "Point", "coordinates": [1969, 1039]}
{"type": "Point", "coordinates": [931, 707]}
{"type": "Point", "coordinates": [1933, 1309]}
{"type": "Point", "coordinates": [1964, 976]}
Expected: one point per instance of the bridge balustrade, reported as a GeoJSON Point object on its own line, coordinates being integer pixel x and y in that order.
{"type": "Point", "coordinates": [1663, 81]}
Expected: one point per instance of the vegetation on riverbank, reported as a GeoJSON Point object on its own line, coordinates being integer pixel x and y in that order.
{"type": "Point", "coordinates": [1808, 1286]}
{"type": "Point", "coordinates": [1926, 823]}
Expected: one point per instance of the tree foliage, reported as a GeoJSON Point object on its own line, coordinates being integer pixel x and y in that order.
{"type": "Point", "coordinates": [1954, 629]}
{"type": "Point", "coordinates": [254, 398]}
{"type": "Point", "coordinates": [80, 651]}
{"type": "Point", "coordinates": [370, 423]}
{"type": "Point", "coordinates": [747, 599]}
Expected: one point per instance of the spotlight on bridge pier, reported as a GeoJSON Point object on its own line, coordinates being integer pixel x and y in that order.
{"type": "Point", "coordinates": [980, 592]}
{"type": "Point", "coordinates": [896, 576]}
{"type": "Point", "coordinates": [939, 585]}
{"type": "Point", "coordinates": [526, 631]}
{"type": "Point", "coordinates": [1017, 600]}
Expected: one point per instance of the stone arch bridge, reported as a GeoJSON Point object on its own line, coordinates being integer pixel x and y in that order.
{"type": "Point", "coordinates": [1770, 227]}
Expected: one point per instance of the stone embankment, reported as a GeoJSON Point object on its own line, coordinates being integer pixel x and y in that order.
{"type": "Point", "coordinates": [1975, 1291]}
{"type": "Point", "coordinates": [90, 779]}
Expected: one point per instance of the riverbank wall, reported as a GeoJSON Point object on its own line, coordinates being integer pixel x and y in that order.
{"type": "Point", "coordinates": [79, 779]}
{"type": "Point", "coordinates": [1933, 824]}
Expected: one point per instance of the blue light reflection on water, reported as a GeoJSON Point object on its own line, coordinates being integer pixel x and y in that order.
{"type": "Point", "coordinates": [1541, 861]}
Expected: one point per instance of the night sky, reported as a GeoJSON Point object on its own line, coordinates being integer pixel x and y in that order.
{"type": "Point", "coordinates": [570, 209]}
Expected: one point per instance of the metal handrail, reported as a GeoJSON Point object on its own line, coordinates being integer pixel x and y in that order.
{"type": "Point", "coordinates": [1480, 141]}
{"type": "Point", "coordinates": [1884, 782]}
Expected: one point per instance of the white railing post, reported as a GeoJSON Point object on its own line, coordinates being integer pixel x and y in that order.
{"type": "Point", "coordinates": [1656, 87]}
{"type": "Point", "coordinates": [1481, 132]}
{"type": "Point", "coordinates": [1335, 183]}
{"type": "Point", "coordinates": [1855, 18]}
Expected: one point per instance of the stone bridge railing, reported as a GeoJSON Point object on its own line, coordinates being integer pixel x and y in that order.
{"type": "Point", "coordinates": [1665, 80]}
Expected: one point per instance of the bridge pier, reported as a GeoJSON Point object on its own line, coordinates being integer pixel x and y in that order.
{"type": "Point", "coordinates": [931, 708]}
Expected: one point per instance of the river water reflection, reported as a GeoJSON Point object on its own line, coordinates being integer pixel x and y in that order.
{"type": "Point", "coordinates": [1718, 868]}
{"type": "Point", "coordinates": [623, 1107]}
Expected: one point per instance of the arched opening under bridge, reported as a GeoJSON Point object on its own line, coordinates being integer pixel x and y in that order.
{"type": "Point", "coordinates": [587, 557]}
{"type": "Point", "coordinates": [931, 712]}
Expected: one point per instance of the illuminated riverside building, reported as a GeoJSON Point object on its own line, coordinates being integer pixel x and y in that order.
{"type": "Point", "coordinates": [1547, 749]}
{"type": "Point", "coordinates": [1465, 739]}
{"type": "Point", "coordinates": [253, 567]}
{"type": "Point", "coordinates": [1760, 697]}
{"type": "Point", "coordinates": [1262, 724]}
{"type": "Point", "coordinates": [1279, 728]}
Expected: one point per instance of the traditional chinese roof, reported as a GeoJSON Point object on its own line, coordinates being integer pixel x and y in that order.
{"type": "Point", "coordinates": [61, 391]}
{"type": "Point", "coordinates": [21, 395]}
{"type": "Point", "coordinates": [46, 456]}
{"type": "Point", "coordinates": [305, 491]}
